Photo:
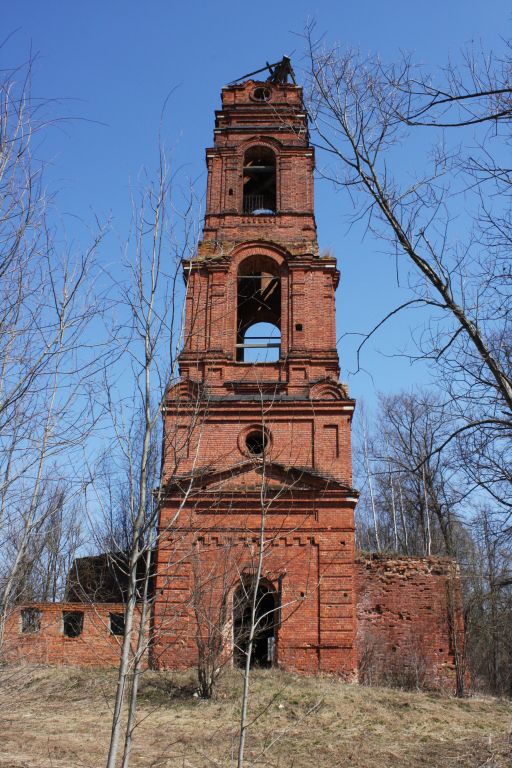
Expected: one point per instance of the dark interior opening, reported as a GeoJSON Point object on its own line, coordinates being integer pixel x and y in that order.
{"type": "Point", "coordinates": [30, 620]}
{"type": "Point", "coordinates": [116, 623]}
{"type": "Point", "coordinates": [258, 301]}
{"type": "Point", "coordinates": [259, 181]}
{"type": "Point", "coordinates": [265, 633]}
{"type": "Point", "coordinates": [73, 623]}
{"type": "Point", "coordinates": [256, 442]}
{"type": "Point", "coordinates": [261, 94]}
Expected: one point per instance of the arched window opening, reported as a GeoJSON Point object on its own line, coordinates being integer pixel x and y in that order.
{"type": "Point", "coordinates": [261, 343]}
{"type": "Point", "coordinates": [266, 622]}
{"type": "Point", "coordinates": [259, 181]}
{"type": "Point", "coordinates": [258, 337]}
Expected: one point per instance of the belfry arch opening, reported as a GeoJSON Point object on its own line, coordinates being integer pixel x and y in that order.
{"type": "Point", "coordinates": [266, 620]}
{"type": "Point", "coordinates": [258, 335]}
{"type": "Point", "coordinates": [259, 181]}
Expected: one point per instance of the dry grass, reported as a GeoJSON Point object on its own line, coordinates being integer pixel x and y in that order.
{"type": "Point", "coordinates": [61, 717]}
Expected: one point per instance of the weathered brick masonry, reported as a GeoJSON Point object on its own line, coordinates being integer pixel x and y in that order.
{"type": "Point", "coordinates": [270, 440]}
{"type": "Point", "coordinates": [404, 622]}
{"type": "Point", "coordinates": [408, 619]}
{"type": "Point", "coordinates": [40, 638]}
{"type": "Point", "coordinates": [259, 451]}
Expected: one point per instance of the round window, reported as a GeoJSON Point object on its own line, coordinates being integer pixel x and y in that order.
{"type": "Point", "coordinates": [261, 94]}
{"type": "Point", "coordinates": [256, 442]}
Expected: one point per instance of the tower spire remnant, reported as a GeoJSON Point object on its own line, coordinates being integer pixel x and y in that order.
{"type": "Point", "coordinates": [278, 72]}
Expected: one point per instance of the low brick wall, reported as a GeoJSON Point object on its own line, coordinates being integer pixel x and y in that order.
{"type": "Point", "coordinates": [404, 620]}
{"type": "Point", "coordinates": [406, 625]}
{"type": "Point", "coordinates": [35, 633]}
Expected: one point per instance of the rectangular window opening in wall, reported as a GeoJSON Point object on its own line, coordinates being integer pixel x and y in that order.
{"type": "Point", "coordinates": [72, 623]}
{"type": "Point", "coordinates": [116, 623]}
{"type": "Point", "coordinates": [31, 620]}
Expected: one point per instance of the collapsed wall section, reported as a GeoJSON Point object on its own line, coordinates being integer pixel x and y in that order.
{"type": "Point", "coordinates": [409, 620]}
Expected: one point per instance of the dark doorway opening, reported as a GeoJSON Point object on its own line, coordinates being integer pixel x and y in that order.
{"type": "Point", "coordinates": [266, 623]}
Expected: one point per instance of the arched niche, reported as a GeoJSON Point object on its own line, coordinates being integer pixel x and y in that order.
{"type": "Point", "coordinates": [327, 390]}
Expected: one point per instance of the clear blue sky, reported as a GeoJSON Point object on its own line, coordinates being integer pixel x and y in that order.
{"type": "Point", "coordinates": [112, 64]}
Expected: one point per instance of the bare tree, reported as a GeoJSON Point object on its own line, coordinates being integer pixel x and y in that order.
{"type": "Point", "coordinates": [488, 605]}
{"type": "Point", "coordinates": [47, 355]}
{"type": "Point", "coordinates": [51, 549]}
{"type": "Point", "coordinates": [213, 584]}
{"type": "Point", "coordinates": [254, 596]}
{"type": "Point", "coordinates": [149, 326]}
{"type": "Point", "coordinates": [455, 261]}
{"type": "Point", "coordinates": [454, 257]}
{"type": "Point", "coordinates": [434, 488]}
{"type": "Point", "coordinates": [420, 493]}
{"type": "Point", "coordinates": [367, 483]}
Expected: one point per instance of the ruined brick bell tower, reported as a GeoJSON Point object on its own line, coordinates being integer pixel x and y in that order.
{"type": "Point", "coordinates": [256, 481]}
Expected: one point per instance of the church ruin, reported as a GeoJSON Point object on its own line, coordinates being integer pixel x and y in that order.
{"type": "Point", "coordinates": [257, 504]}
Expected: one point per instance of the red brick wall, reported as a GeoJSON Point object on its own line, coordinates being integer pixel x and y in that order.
{"type": "Point", "coordinates": [308, 559]}
{"type": "Point", "coordinates": [312, 435]}
{"type": "Point", "coordinates": [95, 647]}
{"type": "Point", "coordinates": [299, 401]}
{"type": "Point", "coordinates": [280, 125]}
{"type": "Point", "coordinates": [400, 607]}
{"type": "Point", "coordinates": [404, 621]}
{"type": "Point", "coordinates": [307, 285]}
{"type": "Point", "coordinates": [211, 485]}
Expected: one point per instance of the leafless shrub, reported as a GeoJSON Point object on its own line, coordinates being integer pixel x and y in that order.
{"type": "Point", "coordinates": [396, 667]}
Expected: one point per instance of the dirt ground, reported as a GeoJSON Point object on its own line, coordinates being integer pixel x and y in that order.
{"type": "Point", "coordinates": [61, 717]}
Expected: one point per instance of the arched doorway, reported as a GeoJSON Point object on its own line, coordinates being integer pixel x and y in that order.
{"type": "Point", "coordinates": [266, 623]}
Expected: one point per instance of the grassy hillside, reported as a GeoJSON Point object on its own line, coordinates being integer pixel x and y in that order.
{"type": "Point", "coordinates": [61, 717]}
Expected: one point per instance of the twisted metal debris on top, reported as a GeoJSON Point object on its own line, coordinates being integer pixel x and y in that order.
{"type": "Point", "coordinates": [278, 72]}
